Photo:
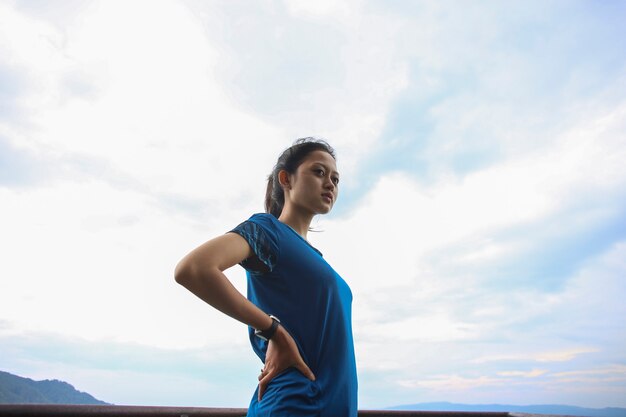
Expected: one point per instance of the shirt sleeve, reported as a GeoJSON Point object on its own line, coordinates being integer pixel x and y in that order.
{"type": "Point", "coordinates": [262, 240]}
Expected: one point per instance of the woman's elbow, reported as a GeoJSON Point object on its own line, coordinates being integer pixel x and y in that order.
{"type": "Point", "coordinates": [183, 273]}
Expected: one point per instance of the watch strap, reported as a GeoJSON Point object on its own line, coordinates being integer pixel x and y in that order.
{"type": "Point", "coordinates": [269, 332]}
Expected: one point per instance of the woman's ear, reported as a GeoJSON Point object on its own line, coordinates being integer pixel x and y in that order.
{"type": "Point", "coordinates": [284, 180]}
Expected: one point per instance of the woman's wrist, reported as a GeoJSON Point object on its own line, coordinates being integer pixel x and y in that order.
{"type": "Point", "coordinates": [268, 332]}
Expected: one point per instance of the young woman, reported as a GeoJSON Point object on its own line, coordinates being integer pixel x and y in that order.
{"type": "Point", "coordinates": [298, 308]}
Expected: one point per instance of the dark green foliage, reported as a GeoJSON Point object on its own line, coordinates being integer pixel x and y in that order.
{"type": "Point", "coordinates": [17, 390]}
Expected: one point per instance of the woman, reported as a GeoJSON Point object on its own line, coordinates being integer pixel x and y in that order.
{"type": "Point", "coordinates": [298, 308]}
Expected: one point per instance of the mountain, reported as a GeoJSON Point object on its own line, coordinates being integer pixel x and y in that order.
{"type": "Point", "coordinates": [17, 390]}
{"type": "Point", "coordinates": [560, 410]}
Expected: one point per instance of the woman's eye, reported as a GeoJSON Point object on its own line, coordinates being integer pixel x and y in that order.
{"type": "Point", "coordinates": [335, 180]}
{"type": "Point", "coordinates": [319, 172]}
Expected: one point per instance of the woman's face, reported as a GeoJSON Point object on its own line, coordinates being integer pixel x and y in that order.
{"type": "Point", "coordinates": [315, 185]}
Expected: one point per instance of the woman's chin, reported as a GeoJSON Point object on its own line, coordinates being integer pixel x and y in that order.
{"type": "Point", "coordinates": [325, 210]}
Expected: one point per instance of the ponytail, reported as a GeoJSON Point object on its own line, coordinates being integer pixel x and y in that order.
{"type": "Point", "coordinates": [274, 196]}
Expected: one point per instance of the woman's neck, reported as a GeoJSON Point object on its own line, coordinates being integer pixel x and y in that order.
{"type": "Point", "coordinates": [300, 223]}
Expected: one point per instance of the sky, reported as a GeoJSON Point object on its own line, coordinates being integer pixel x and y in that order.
{"type": "Point", "coordinates": [481, 222]}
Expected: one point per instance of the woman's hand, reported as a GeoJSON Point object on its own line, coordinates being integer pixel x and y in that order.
{"type": "Point", "coordinates": [282, 353]}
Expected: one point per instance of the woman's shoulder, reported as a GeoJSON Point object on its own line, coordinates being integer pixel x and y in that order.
{"type": "Point", "coordinates": [260, 233]}
{"type": "Point", "coordinates": [263, 216]}
{"type": "Point", "coordinates": [263, 219]}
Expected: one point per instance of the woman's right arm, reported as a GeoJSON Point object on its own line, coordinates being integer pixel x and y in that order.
{"type": "Point", "coordinates": [201, 272]}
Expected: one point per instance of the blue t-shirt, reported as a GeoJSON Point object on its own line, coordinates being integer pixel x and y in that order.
{"type": "Point", "coordinates": [290, 279]}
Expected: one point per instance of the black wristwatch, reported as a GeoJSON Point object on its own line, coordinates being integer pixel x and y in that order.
{"type": "Point", "coordinates": [268, 333]}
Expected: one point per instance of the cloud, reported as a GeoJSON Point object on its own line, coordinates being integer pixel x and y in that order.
{"type": "Point", "coordinates": [609, 374]}
{"type": "Point", "coordinates": [541, 356]}
{"type": "Point", "coordinates": [132, 374]}
{"type": "Point", "coordinates": [90, 250]}
{"type": "Point", "coordinates": [327, 71]}
{"type": "Point", "coordinates": [18, 167]}
{"type": "Point", "coordinates": [489, 267]}
{"type": "Point", "coordinates": [486, 85]}
{"type": "Point", "coordinates": [157, 116]}
{"type": "Point", "coordinates": [524, 374]}
{"type": "Point", "coordinates": [453, 382]}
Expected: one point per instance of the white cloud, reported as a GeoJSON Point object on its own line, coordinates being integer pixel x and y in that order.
{"type": "Point", "coordinates": [134, 374]}
{"type": "Point", "coordinates": [92, 261]}
{"type": "Point", "coordinates": [614, 369]}
{"type": "Point", "coordinates": [323, 8]}
{"type": "Point", "coordinates": [401, 222]}
{"type": "Point", "coordinates": [157, 115]}
{"type": "Point", "coordinates": [162, 129]}
{"type": "Point", "coordinates": [524, 374]}
{"type": "Point", "coordinates": [421, 260]}
{"type": "Point", "coordinates": [451, 382]}
{"type": "Point", "coordinates": [540, 356]}
{"type": "Point", "coordinates": [321, 69]}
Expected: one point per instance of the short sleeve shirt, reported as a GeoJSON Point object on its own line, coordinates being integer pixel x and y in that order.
{"type": "Point", "coordinates": [289, 278]}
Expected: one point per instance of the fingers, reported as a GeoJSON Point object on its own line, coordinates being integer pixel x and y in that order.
{"type": "Point", "coordinates": [282, 353]}
{"type": "Point", "coordinates": [262, 387]}
{"type": "Point", "coordinates": [267, 375]}
{"type": "Point", "coordinates": [264, 380]}
{"type": "Point", "coordinates": [306, 371]}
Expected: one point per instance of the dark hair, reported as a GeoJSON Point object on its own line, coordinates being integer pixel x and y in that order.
{"type": "Point", "coordinates": [290, 160]}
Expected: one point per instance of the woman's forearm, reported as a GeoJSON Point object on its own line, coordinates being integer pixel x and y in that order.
{"type": "Point", "coordinates": [201, 272]}
{"type": "Point", "coordinates": [212, 286]}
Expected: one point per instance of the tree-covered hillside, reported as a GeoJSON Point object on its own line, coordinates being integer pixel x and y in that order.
{"type": "Point", "coordinates": [17, 390]}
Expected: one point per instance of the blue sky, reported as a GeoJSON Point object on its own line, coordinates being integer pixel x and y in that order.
{"type": "Point", "coordinates": [481, 222]}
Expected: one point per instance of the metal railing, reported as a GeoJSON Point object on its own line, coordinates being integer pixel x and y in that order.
{"type": "Point", "coordinates": [55, 410]}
